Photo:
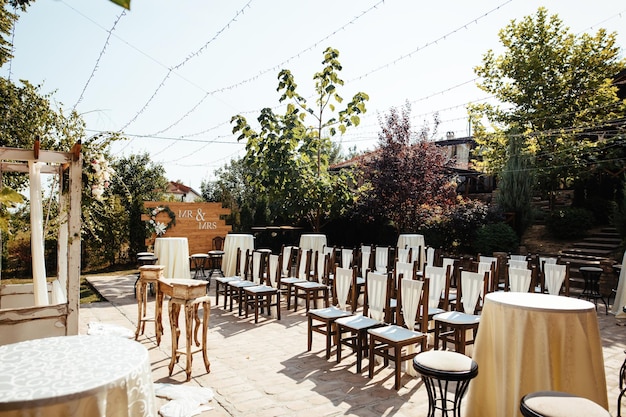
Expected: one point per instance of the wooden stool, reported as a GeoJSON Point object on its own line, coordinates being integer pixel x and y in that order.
{"type": "Point", "coordinates": [191, 317]}
{"type": "Point", "coordinates": [190, 294]}
{"type": "Point", "coordinates": [436, 366]}
{"type": "Point", "coordinates": [555, 403]}
{"type": "Point", "coordinates": [148, 276]}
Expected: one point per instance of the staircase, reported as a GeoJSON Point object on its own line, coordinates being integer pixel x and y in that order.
{"type": "Point", "coordinates": [595, 250]}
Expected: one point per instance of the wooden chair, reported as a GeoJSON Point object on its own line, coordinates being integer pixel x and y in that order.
{"type": "Point", "coordinates": [234, 288]}
{"type": "Point", "coordinates": [397, 342]}
{"type": "Point", "coordinates": [266, 294]}
{"type": "Point", "coordinates": [452, 326]}
{"type": "Point", "coordinates": [303, 266]}
{"type": "Point", "coordinates": [218, 243]}
{"type": "Point", "coordinates": [222, 282]}
{"type": "Point", "coordinates": [313, 289]}
{"type": "Point", "coordinates": [377, 297]}
{"type": "Point", "coordinates": [323, 320]}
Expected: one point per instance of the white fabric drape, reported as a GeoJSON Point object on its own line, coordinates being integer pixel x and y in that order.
{"type": "Point", "coordinates": [343, 279]}
{"type": "Point", "coordinates": [518, 264]}
{"type": "Point", "coordinates": [40, 287]}
{"type": "Point", "coordinates": [382, 259]}
{"type": "Point", "coordinates": [404, 269]}
{"type": "Point", "coordinates": [365, 261]}
{"type": "Point", "coordinates": [519, 279]}
{"type": "Point", "coordinates": [554, 275]}
{"type": "Point", "coordinates": [485, 266]}
{"type": "Point", "coordinates": [376, 295]}
{"type": "Point", "coordinates": [437, 283]}
{"type": "Point", "coordinates": [403, 255]}
{"type": "Point", "coordinates": [411, 293]}
{"type": "Point", "coordinates": [472, 285]}
{"type": "Point", "coordinates": [273, 280]}
{"type": "Point", "coordinates": [256, 267]}
{"type": "Point", "coordinates": [430, 257]}
{"type": "Point", "coordinates": [302, 264]}
{"type": "Point", "coordinates": [346, 258]}
{"type": "Point", "coordinates": [620, 296]}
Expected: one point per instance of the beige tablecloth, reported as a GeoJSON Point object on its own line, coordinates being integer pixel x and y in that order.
{"type": "Point", "coordinates": [313, 241]}
{"type": "Point", "coordinates": [231, 243]}
{"type": "Point", "coordinates": [532, 342]}
{"type": "Point", "coordinates": [620, 296]}
{"type": "Point", "coordinates": [173, 253]}
{"type": "Point", "coordinates": [94, 376]}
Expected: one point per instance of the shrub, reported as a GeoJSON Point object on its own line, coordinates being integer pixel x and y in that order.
{"type": "Point", "coordinates": [496, 237]}
{"type": "Point", "coordinates": [569, 223]}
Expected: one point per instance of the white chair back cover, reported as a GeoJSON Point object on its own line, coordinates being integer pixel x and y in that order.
{"type": "Point", "coordinates": [415, 254]}
{"type": "Point", "coordinates": [411, 293]}
{"type": "Point", "coordinates": [403, 255]}
{"type": "Point", "coordinates": [243, 260]}
{"type": "Point", "coordinates": [382, 259]}
{"type": "Point", "coordinates": [273, 270]}
{"type": "Point", "coordinates": [448, 261]}
{"type": "Point", "coordinates": [322, 265]}
{"type": "Point", "coordinates": [346, 258]}
{"type": "Point", "coordinates": [518, 258]}
{"type": "Point", "coordinates": [256, 267]}
{"type": "Point", "coordinates": [365, 262]}
{"type": "Point", "coordinates": [519, 279]}
{"type": "Point", "coordinates": [472, 284]}
{"type": "Point", "coordinates": [546, 261]}
{"type": "Point", "coordinates": [518, 264]}
{"type": "Point", "coordinates": [343, 280]}
{"type": "Point", "coordinates": [437, 284]}
{"type": "Point", "coordinates": [485, 266]}
{"type": "Point", "coordinates": [302, 264]}
{"type": "Point", "coordinates": [430, 257]}
{"type": "Point", "coordinates": [404, 269]}
{"type": "Point", "coordinates": [554, 276]}
{"type": "Point", "coordinates": [376, 295]}
{"type": "Point", "coordinates": [286, 258]}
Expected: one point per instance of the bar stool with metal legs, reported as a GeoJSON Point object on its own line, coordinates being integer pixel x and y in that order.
{"type": "Point", "coordinates": [555, 403]}
{"type": "Point", "coordinates": [440, 367]}
{"type": "Point", "coordinates": [148, 277]}
{"type": "Point", "coordinates": [198, 264]}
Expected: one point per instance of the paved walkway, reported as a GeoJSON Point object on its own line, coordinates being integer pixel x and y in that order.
{"type": "Point", "coordinates": [264, 369]}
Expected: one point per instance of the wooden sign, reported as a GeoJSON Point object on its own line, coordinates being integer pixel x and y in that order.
{"type": "Point", "coordinates": [198, 222]}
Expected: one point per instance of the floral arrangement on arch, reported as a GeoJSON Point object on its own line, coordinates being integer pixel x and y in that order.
{"type": "Point", "coordinates": [157, 227]}
{"type": "Point", "coordinates": [99, 176]}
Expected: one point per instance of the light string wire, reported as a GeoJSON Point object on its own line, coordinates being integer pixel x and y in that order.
{"type": "Point", "coordinates": [95, 67]}
{"type": "Point", "coordinates": [263, 72]}
{"type": "Point", "coordinates": [185, 61]}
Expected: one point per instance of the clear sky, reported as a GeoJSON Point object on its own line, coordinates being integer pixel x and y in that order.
{"type": "Point", "coordinates": [171, 74]}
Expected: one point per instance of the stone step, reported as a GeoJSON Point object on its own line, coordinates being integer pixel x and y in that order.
{"type": "Point", "coordinates": [606, 240]}
{"type": "Point", "coordinates": [590, 246]}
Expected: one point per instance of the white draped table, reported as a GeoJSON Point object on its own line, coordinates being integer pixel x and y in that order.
{"type": "Point", "coordinates": [410, 240]}
{"type": "Point", "coordinates": [231, 243]}
{"type": "Point", "coordinates": [620, 296]}
{"type": "Point", "coordinates": [95, 376]}
{"type": "Point", "coordinates": [530, 342]}
{"type": "Point", "coordinates": [314, 241]}
{"type": "Point", "coordinates": [173, 253]}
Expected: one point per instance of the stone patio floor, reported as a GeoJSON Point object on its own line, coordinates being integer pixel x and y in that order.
{"type": "Point", "coordinates": [265, 370]}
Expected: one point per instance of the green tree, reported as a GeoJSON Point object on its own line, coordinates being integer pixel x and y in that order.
{"type": "Point", "coordinates": [516, 185]}
{"type": "Point", "coordinates": [290, 158]}
{"type": "Point", "coordinates": [233, 189]}
{"type": "Point", "coordinates": [137, 179]}
{"type": "Point", "coordinates": [552, 86]}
